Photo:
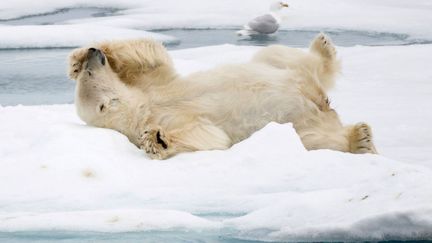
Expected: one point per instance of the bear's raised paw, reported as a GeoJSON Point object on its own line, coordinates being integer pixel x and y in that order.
{"type": "Point", "coordinates": [76, 59]}
{"type": "Point", "coordinates": [323, 45]}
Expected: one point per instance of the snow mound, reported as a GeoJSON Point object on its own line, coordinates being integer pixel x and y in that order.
{"type": "Point", "coordinates": [57, 170]}
{"type": "Point", "coordinates": [67, 36]}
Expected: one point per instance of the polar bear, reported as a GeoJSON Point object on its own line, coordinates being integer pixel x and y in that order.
{"type": "Point", "coordinates": [132, 87]}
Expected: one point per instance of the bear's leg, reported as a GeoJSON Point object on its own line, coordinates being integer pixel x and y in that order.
{"type": "Point", "coordinates": [327, 132]}
{"type": "Point", "coordinates": [161, 144]}
{"type": "Point", "coordinates": [329, 66]}
{"type": "Point", "coordinates": [139, 63]}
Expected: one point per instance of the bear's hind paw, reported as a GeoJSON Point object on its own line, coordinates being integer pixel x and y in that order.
{"type": "Point", "coordinates": [361, 139]}
{"type": "Point", "coordinates": [323, 45]}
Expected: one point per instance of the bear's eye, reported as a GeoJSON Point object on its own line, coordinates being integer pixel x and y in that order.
{"type": "Point", "coordinates": [101, 107]}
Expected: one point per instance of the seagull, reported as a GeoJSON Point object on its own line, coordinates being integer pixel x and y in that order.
{"type": "Point", "coordinates": [264, 24]}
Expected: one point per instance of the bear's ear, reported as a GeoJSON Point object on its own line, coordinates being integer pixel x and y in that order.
{"type": "Point", "coordinates": [114, 103]}
{"type": "Point", "coordinates": [110, 105]}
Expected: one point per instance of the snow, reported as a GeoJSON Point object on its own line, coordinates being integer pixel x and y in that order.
{"type": "Point", "coordinates": [93, 179]}
{"type": "Point", "coordinates": [59, 36]}
{"type": "Point", "coordinates": [390, 88]}
{"type": "Point", "coordinates": [57, 170]}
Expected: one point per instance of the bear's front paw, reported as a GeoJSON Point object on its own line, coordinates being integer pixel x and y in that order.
{"type": "Point", "coordinates": [76, 59]}
{"type": "Point", "coordinates": [155, 143]}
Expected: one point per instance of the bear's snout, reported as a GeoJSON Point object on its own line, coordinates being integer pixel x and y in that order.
{"type": "Point", "coordinates": [95, 56]}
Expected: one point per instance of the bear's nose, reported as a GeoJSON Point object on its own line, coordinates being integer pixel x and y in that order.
{"type": "Point", "coordinates": [97, 54]}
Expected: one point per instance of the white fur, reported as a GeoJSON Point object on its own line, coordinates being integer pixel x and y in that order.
{"type": "Point", "coordinates": [166, 114]}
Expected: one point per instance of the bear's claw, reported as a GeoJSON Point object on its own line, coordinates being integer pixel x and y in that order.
{"type": "Point", "coordinates": [154, 143]}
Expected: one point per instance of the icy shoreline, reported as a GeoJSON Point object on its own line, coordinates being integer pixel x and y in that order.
{"type": "Point", "coordinates": [402, 16]}
{"type": "Point", "coordinates": [132, 17]}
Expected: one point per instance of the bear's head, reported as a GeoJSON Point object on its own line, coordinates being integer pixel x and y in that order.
{"type": "Point", "coordinates": [99, 91]}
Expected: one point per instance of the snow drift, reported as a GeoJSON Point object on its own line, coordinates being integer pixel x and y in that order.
{"type": "Point", "coordinates": [74, 177]}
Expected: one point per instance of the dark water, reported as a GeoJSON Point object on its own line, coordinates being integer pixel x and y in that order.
{"type": "Point", "coordinates": [38, 76]}
{"type": "Point", "coordinates": [295, 38]}
{"type": "Point", "coordinates": [33, 77]}
{"type": "Point", "coordinates": [60, 15]}
{"type": "Point", "coordinates": [137, 237]}
{"type": "Point", "coordinates": [90, 237]}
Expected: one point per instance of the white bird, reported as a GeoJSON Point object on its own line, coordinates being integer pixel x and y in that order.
{"type": "Point", "coordinates": [264, 24]}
